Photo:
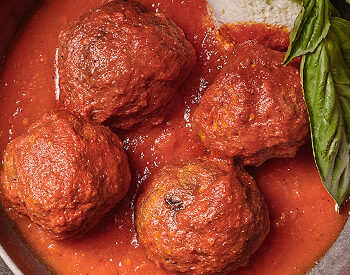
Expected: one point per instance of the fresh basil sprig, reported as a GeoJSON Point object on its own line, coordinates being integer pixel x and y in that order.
{"type": "Point", "coordinates": [323, 39]}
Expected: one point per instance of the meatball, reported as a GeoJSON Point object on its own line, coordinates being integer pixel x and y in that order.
{"type": "Point", "coordinates": [65, 173]}
{"type": "Point", "coordinates": [255, 109]}
{"type": "Point", "coordinates": [205, 216]}
{"type": "Point", "coordinates": [122, 63]}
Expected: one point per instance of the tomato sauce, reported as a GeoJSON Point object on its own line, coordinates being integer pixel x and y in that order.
{"type": "Point", "coordinates": [274, 37]}
{"type": "Point", "coordinates": [304, 223]}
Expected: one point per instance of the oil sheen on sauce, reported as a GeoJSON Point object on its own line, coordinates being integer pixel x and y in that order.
{"type": "Point", "coordinates": [304, 222]}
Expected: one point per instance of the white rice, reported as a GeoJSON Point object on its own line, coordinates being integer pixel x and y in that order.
{"type": "Point", "coordinates": [276, 12]}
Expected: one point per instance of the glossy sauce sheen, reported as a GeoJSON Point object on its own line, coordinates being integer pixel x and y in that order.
{"type": "Point", "coordinates": [304, 222]}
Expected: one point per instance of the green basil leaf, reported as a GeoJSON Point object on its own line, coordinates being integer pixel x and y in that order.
{"type": "Point", "coordinates": [310, 27]}
{"type": "Point", "coordinates": [333, 11]}
{"type": "Point", "coordinates": [326, 86]}
{"type": "Point", "coordinates": [341, 29]}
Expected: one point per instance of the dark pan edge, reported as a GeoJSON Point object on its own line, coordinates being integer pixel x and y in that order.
{"type": "Point", "coordinates": [337, 259]}
{"type": "Point", "coordinates": [335, 262]}
{"type": "Point", "coordinates": [12, 244]}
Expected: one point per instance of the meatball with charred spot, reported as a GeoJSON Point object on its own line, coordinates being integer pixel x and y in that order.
{"type": "Point", "coordinates": [255, 108]}
{"type": "Point", "coordinates": [204, 217]}
{"type": "Point", "coordinates": [122, 63]}
{"type": "Point", "coordinates": [65, 173]}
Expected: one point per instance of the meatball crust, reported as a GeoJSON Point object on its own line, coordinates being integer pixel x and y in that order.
{"type": "Point", "coordinates": [65, 173]}
{"type": "Point", "coordinates": [203, 217]}
{"type": "Point", "coordinates": [122, 63]}
{"type": "Point", "coordinates": [255, 108]}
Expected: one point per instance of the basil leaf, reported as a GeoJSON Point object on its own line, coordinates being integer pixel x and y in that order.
{"type": "Point", "coordinates": [310, 27]}
{"type": "Point", "coordinates": [333, 11]}
{"type": "Point", "coordinates": [323, 38]}
{"type": "Point", "coordinates": [326, 86]}
{"type": "Point", "coordinates": [341, 29]}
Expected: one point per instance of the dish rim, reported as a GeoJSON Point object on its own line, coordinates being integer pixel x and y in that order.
{"type": "Point", "coordinates": [26, 261]}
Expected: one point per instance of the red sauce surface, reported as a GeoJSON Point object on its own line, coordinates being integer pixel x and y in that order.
{"type": "Point", "coordinates": [276, 38]}
{"type": "Point", "coordinates": [304, 222]}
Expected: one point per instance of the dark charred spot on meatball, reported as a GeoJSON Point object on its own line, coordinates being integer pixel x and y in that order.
{"type": "Point", "coordinates": [65, 173]}
{"type": "Point", "coordinates": [254, 110]}
{"type": "Point", "coordinates": [122, 64]}
{"type": "Point", "coordinates": [174, 202]}
{"type": "Point", "coordinates": [205, 216]}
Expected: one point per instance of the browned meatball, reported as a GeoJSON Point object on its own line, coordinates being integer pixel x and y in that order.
{"type": "Point", "coordinates": [206, 216]}
{"type": "Point", "coordinates": [123, 63]}
{"type": "Point", "coordinates": [65, 173]}
{"type": "Point", "coordinates": [255, 109]}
